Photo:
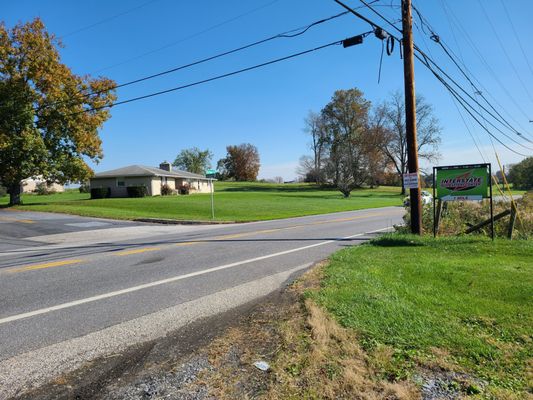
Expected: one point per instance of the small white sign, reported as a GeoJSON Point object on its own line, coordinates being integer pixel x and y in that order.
{"type": "Point", "coordinates": [463, 198]}
{"type": "Point", "coordinates": [410, 180]}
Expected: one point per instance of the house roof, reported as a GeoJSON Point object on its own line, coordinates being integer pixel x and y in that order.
{"type": "Point", "coordinates": [141, 170]}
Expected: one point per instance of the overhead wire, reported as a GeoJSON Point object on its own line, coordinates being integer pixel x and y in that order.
{"type": "Point", "coordinates": [454, 19]}
{"type": "Point", "coordinates": [103, 21]}
{"type": "Point", "coordinates": [477, 92]}
{"type": "Point", "coordinates": [287, 34]}
{"type": "Point", "coordinates": [516, 36]}
{"type": "Point", "coordinates": [511, 63]}
{"type": "Point", "coordinates": [449, 15]}
{"type": "Point", "coordinates": [191, 36]}
{"type": "Point", "coordinates": [471, 134]}
{"type": "Point", "coordinates": [450, 78]}
{"type": "Point", "coordinates": [214, 78]}
{"type": "Point", "coordinates": [424, 59]}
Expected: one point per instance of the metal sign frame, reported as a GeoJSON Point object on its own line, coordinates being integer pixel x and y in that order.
{"type": "Point", "coordinates": [456, 167]}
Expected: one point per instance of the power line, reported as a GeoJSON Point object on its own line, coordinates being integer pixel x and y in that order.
{"type": "Point", "coordinates": [452, 30]}
{"type": "Point", "coordinates": [464, 103]}
{"type": "Point", "coordinates": [422, 30]}
{"type": "Point", "coordinates": [287, 34]}
{"type": "Point", "coordinates": [516, 36]}
{"type": "Point", "coordinates": [191, 36]}
{"type": "Point", "coordinates": [454, 82]}
{"type": "Point", "coordinates": [437, 39]}
{"type": "Point", "coordinates": [103, 21]}
{"type": "Point", "coordinates": [214, 78]}
{"type": "Point", "coordinates": [450, 14]}
{"type": "Point", "coordinates": [425, 62]}
{"type": "Point", "coordinates": [505, 51]}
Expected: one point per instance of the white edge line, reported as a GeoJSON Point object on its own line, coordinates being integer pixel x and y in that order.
{"type": "Point", "coordinates": [169, 280]}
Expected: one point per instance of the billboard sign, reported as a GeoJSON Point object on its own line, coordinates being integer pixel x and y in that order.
{"type": "Point", "coordinates": [462, 182]}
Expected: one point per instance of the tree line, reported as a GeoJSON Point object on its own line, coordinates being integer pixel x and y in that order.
{"type": "Point", "coordinates": [354, 143]}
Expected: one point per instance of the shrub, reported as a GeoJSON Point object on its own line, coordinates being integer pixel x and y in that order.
{"type": "Point", "coordinates": [3, 191]}
{"type": "Point", "coordinates": [100, 193]}
{"type": "Point", "coordinates": [42, 188]}
{"type": "Point", "coordinates": [85, 187]}
{"type": "Point", "coordinates": [458, 216]}
{"type": "Point", "coordinates": [167, 190]}
{"type": "Point", "coordinates": [184, 189]}
{"type": "Point", "coordinates": [137, 191]}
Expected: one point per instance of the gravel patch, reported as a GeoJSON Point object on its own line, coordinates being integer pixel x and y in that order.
{"type": "Point", "coordinates": [182, 383]}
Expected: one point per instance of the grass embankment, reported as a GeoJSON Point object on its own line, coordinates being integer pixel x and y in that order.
{"type": "Point", "coordinates": [234, 201]}
{"type": "Point", "coordinates": [454, 314]}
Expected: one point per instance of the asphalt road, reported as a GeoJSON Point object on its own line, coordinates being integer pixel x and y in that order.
{"type": "Point", "coordinates": [77, 294]}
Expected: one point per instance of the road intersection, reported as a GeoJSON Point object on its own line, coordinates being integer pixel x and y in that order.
{"type": "Point", "coordinates": [70, 297]}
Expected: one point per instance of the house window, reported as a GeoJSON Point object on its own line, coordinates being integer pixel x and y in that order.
{"type": "Point", "coordinates": [121, 182]}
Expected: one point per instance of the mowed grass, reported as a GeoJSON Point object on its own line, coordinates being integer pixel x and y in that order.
{"type": "Point", "coordinates": [458, 304]}
{"type": "Point", "coordinates": [234, 201]}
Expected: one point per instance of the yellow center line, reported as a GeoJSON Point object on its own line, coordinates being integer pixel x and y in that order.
{"type": "Point", "coordinates": [137, 251]}
{"type": "Point", "coordinates": [44, 265]}
{"type": "Point", "coordinates": [23, 221]}
{"type": "Point", "coordinates": [148, 249]}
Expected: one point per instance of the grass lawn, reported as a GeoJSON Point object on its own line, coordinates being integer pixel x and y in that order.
{"type": "Point", "coordinates": [419, 306]}
{"type": "Point", "coordinates": [234, 201]}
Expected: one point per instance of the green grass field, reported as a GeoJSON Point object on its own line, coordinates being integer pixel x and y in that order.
{"type": "Point", "coordinates": [234, 201]}
{"type": "Point", "coordinates": [454, 304]}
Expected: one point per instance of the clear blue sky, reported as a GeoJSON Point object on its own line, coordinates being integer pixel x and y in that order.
{"type": "Point", "coordinates": [266, 107]}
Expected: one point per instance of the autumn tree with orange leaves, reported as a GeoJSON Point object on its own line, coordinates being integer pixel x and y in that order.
{"type": "Point", "coordinates": [49, 117]}
{"type": "Point", "coordinates": [241, 163]}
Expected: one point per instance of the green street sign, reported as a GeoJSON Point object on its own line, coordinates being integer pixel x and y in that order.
{"type": "Point", "coordinates": [462, 182]}
{"type": "Point", "coordinates": [211, 173]}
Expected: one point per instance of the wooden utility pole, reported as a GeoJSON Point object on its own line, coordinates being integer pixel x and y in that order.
{"type": "Point", "coordinates": [410, 115]}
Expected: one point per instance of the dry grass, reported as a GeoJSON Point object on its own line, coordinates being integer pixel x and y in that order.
{"type": "Point", "coordinates": [321, 360]}
{"type": "Point", "coordinates": [311, 356]}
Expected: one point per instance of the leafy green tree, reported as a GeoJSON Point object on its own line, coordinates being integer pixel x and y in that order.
{"type": "Point", "coordinates": [49, 117]}
{"type": "Point", "coordinates": [345, 120]}
{"type": "Point", "coordinates": [521, 174]}
{"type": "Point", "coordinates": [194, 160]}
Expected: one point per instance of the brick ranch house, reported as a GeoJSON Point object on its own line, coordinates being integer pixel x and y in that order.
{"type": "Point", "coordinates": [152, 178]}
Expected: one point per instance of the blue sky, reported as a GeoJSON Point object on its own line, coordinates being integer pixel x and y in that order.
{"type": "Point", "coordinates": [125, 40]}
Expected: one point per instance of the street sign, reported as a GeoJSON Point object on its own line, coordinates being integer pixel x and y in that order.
{"type": "Point", "coordinates": [410, 180]}
{"type": "Point", "coordinates": [211, 173]}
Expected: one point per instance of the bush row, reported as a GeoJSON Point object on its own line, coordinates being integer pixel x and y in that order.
{"type": "Point", "coordinates": [458, 216]}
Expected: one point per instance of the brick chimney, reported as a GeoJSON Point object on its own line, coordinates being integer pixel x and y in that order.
{"type": "Point", "coordinates": [165, 165]}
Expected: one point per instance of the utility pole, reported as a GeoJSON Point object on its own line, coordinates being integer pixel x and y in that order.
{"type": "Point", "coordinates": [410, 115]}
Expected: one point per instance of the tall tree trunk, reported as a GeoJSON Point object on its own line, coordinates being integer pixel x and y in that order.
{"type": "Point", "coordinates": [14, 194]}
{"type": "Point", "coordinates": [403, 188]}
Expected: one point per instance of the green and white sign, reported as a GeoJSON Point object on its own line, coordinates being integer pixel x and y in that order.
{"type": "Point", "coordinates": [462, 182]}
{"type": "Point", "coordinates": [211, 173]}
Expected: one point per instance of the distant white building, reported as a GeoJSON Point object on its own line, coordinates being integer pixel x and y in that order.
{"type": "Point", "coordinates": [118, 180]}
{"type": "Point", "coordinates": [29, 185]}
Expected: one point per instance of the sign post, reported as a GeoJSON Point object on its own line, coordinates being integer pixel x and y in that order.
{"type": "Point", "coordinates": [210, 174]}
{"type": "Point", "coordinates": [462, 183]}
